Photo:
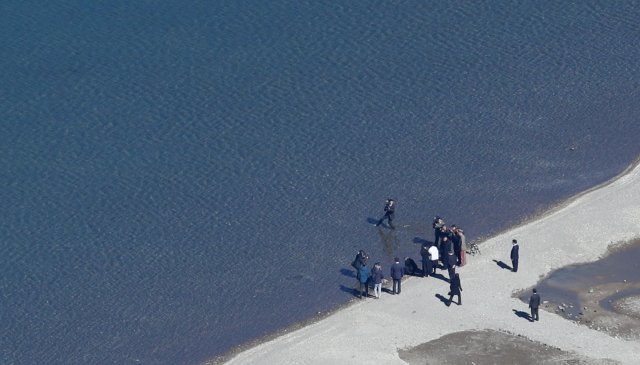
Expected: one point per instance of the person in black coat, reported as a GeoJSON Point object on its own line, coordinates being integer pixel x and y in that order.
{"type": "Point", "coordinates": [360, 260]}
{"type": "Point", "coordinates": [534, 303]}
{"type": "Point", "coordinates": [397, 272]}
{"type": "Point", "coordinates": [515, 255]}
{"type": "Point", "coordinates": [426, 262]}
{"type": "Point", "coordinates": [455, 288]}
{"type": "Point", "coordinates": [445, 246]}
{"type": "Point", "coordinates": [452, 262]}
{"type": "Point", "coordinates": [437, 226]}
{"type": "Point", "coordinates": [389, 213]}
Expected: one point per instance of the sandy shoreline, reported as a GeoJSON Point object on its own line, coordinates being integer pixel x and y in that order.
{"type": "Point", "coordinates": [374, 331]}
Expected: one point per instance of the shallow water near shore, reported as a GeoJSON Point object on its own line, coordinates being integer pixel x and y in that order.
{"type": "Point", "coordinates": [593, 292]}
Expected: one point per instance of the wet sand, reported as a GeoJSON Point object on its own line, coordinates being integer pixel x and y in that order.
{"type": "Point", "coordinates": [383, 331]}
{"type": "Point", "coordinates": [491, 347]}
{"type": "Point", "coordinates": [603, 295]}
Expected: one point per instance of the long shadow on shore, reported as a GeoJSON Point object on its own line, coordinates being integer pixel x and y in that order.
{"type": "Point", "coordinates": [350, 290]}
{"type": "Point", "coordinates": [444, 300]}
{"type": "Point", "coordinates": [421, 241]}
{"type": "Point", "coordinates": [522, 314]}
{"type": "Point", "coordinates": [441, 277]}
{"type": "Point", "coordinates": [348, 273]}
{"type": "Point", "coordinates": [503, 265]}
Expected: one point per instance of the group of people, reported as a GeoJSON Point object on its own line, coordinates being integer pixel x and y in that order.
{"type": "Point", "coordinates": [448, 248]}
{"type": "Point", "coordinates": [375, 276]}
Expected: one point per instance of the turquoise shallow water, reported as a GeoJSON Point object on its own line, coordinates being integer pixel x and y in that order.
{"type": "Point", "coordinates": [173, 172]}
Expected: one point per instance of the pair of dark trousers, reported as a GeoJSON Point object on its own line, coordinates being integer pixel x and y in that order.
{"type": "Point", "coordinates": [429, 267]}
{"type": "Point", "coordinates": [459, 299]}
{"type": "Point", "coordinates": [397, 285]}
{"type": "Point", "coordinates": [434, 264]}
{"type": "Point", "coordinates": [389, 217]}
{"type": "Point", "coordinates": [534, 314]}
{"type": "Point", "coordinates": [452, 272]}
{"type": "Point", "coordinates": [514, 264]}
{"type": "Point", "coordinates": [364, 288]}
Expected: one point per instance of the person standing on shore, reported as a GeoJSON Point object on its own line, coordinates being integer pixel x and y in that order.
{"type": "Point", "coordinates": [437, 225]}
{"type": "Point", "coordinates": [534, 304]}
{"type": "Point", "coordinates": [426, 262]}
{"type": "Point", "coordinates": [363, 278]}
{"type": "Point", "coordinates": [434, 257]}
{"type": "Point", "coordinates": [389, 213]}
{"type": "Point", "coordinates": [455, 288]}
{"type": "Point", "coordinates": [397, 272]}
{"type": "Point", "coordinates": [459, 244]}
{"type": "Point", "coordinates": [445, 247]}
{"type": "Point", "coordinates": [376, 277]}
{"type": "Point", "coordinates": [361, 259]}
{"type": "Point", "coordinates": [451, 264]}
{"type": "Point", "coordinates": [515, 255]}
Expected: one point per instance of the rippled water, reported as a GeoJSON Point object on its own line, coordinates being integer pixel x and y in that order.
{"type": "Point", "coordinates": [175, 172]}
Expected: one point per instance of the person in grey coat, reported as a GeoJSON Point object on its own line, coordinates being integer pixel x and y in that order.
{"type": "Point", "coordinates": [534, 304]}
{"type": "Point", "coordinates": [397, 272]}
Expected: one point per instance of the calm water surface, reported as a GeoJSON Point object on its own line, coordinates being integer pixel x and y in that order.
{"type": "Point", "coordinates": [173, 171]}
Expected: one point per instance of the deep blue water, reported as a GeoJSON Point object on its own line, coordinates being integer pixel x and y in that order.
{"type": "Point", "coordinates": [179, 178]}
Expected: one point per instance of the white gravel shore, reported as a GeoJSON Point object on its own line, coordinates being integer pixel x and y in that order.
{"type": "Point", "coordinates": [372, 331]}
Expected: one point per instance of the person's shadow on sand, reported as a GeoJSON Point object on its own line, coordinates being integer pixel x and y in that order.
{"type": "Point", "coordinates": [522, 314]}
{"type": "Point", "coordinates": [441, 277]}
{"type": "Point", "coordinates": [444, 300]}
{"type": "Point", "coordinates": [421, 241]}
{"type": "Point", "coordinates": [503, 265]}
{"type": "Point", "coordinates": [348, 273]}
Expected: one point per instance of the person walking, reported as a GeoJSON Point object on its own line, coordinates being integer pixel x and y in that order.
{"type": "Point", "coordinates": [363, 279]}
{"type": "Point", "coordinates": [515, 255]}
{"type": "Point", "coordinates": [376, 278]}
{"type": "Point", "coordinates": [434, 257]}
{"type": "Point", "coordinates": [455, 288]}
{"type": "Point", "coordinates": [426, 262]}
{"type": "Point", "coordinates": [389, 213]}
{"type": "Point", "coordinates": [397, 272]}
{"type": "Point", "coordinates": [534, 304]}
{"type": "Point", "coordinates": [452, 261]}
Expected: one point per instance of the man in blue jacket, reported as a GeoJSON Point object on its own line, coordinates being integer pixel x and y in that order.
{"type": "Point", "coordinates": [397, 272]}
{"type": "Point", "coordinates": [363, 278]}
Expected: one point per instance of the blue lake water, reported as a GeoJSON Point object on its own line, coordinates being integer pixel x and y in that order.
{"type": "Point", "coordinates": [179, 178]}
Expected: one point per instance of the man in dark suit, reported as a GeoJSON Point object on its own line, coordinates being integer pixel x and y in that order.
{"type": "Point", "coordinates": [515, 255]}
{"type": "Point", "coordinates": [534, 303]}
{"type": "Point", "coordinates": [397, 272]}
{"type": "Point", "coordinates": [426, 262]}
